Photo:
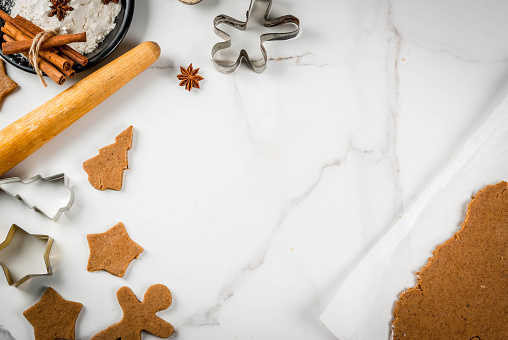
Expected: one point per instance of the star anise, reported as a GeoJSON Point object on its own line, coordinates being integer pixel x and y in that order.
{"type": "Point", "coordinates": [59, 8]}
{"type": "Point", "coordinates": [107, 1]}
{"type": "Point", "coordinates": [189, 77]}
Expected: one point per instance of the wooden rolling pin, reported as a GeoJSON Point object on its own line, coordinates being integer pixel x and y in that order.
{"type": "Point", "coordinates": [23, 137]}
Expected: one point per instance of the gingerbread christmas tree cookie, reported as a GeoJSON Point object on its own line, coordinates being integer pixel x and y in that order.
{"type": "Point", "coordinates": [462, 292]}
{"type": "Point", "coordinates": [140, 316]}
{"type": "Point", "coordinates": [105, 171]}
{"type": "Point", "coordinates": [53, 317]}
{"type": "Point", "coordinates": [112, 250]}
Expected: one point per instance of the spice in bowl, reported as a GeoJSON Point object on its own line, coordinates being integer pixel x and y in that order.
{"type": "Point", "coordinates": [94, 17]}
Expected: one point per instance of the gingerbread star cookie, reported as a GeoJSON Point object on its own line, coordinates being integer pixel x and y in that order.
{"type": "Point", "coordinates": [112, 251]}
{"type": "Point", "coordinates": [140, 316]}
{"type": "Point", "coordinates": [105, 171]}
{"type": "Point", "coordinates": [7, 85]}
{"type": "Point", "coordinates": [53, 317]}
{"type": "Point", "coordinates": [462, 292]}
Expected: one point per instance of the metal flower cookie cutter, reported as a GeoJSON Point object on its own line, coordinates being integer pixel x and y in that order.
{"type": "Point", "coordinates": [29, 180]}
{"type": "Point", "coordinates": [14, 228]}
{"type": "Point", "coordinates": [242, 25]}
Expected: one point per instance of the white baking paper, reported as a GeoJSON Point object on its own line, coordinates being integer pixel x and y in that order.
{"type": "Point", "coordinates": [362, 307]}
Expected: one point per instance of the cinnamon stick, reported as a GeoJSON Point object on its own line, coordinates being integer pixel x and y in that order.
{"type": "Point", "coordinates": [69, 60]}
{"type": "Point", "coordinates": [6, 17]}
{"type": "Point", "coordinates": [73, 54]}
{"type": "Point", "coordinates": [26, 25]}
{"type": "Point", "coordinates": [53, 58]}
{"type": "Point", "coordinates": [50, 70]}
{"type": "Point", "coordinates": [68, 72]}
{"type": "Point", "coordinates": [62, 63]}
{"type": "Point", "coordinates": [58, 40]}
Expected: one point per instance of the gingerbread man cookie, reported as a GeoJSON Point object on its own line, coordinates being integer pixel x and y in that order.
{"type": "Point", "coordinates": [140, 316]}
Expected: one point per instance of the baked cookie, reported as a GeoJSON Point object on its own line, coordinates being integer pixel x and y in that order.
{"type": "Point", "coordinates": [140, 316]}
{"type": "Point", "coordinates": [7, 85]}
{"type": "Point", "coordinates": [105, 171]}
{"type": "Point", "coordinates": [112, 251]}
{"type": "Point", "coordinates": [53, 317]}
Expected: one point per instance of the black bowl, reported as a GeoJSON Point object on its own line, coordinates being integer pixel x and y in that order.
{"type": "Point", "coordinates": [105, 48]}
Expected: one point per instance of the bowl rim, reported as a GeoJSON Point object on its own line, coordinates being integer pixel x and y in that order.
{"type": "Point", "coordinates": [103, 54]}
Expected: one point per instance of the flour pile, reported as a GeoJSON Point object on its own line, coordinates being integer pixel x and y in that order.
{"type": "Point", "coordinates": [90, 16]}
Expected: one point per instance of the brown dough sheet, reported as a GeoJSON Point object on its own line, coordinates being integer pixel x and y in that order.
{"type": "Point", "coordinates": [462, 292]}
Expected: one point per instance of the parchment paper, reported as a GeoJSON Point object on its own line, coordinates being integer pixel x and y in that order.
{"type": "Point", "coordinates": [362, 307]}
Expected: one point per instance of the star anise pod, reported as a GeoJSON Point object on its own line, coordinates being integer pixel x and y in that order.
{"type": "Point", "coordinates": [189, 77]}
{"type": "Point", "coordinates": [107, 1]}
{"type": "Point", "coordinates": [59, 8]}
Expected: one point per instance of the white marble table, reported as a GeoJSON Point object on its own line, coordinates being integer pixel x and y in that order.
{"type": "Point", "coordinates": [255, 196]}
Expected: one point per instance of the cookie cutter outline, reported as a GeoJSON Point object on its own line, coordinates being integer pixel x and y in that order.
{"type": "Point", "coordinates": [37, 178]}
{"type": "Point", "coordinates": [10, 235]}
{"type": "Point", "coordinates": [242, 25]}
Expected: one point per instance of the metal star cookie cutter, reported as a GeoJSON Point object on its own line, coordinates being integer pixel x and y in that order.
{"type": "Point", "coordinates": [8, 239]}
{"type": "Point", "coordinates": [29, 180]}
{"type": "Point", "coordinates": [242, 25]}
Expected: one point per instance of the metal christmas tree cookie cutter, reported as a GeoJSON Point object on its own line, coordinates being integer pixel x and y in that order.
{"type": "Point", "coordinates": [242, 25]}
{"type": "Point", "coordinates": [55, 178]}
{"type": "Point", "coordinates": [12, 231]}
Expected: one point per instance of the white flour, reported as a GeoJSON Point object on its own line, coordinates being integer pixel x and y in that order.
{"type": "Point", "coordinates": [90, 16]}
